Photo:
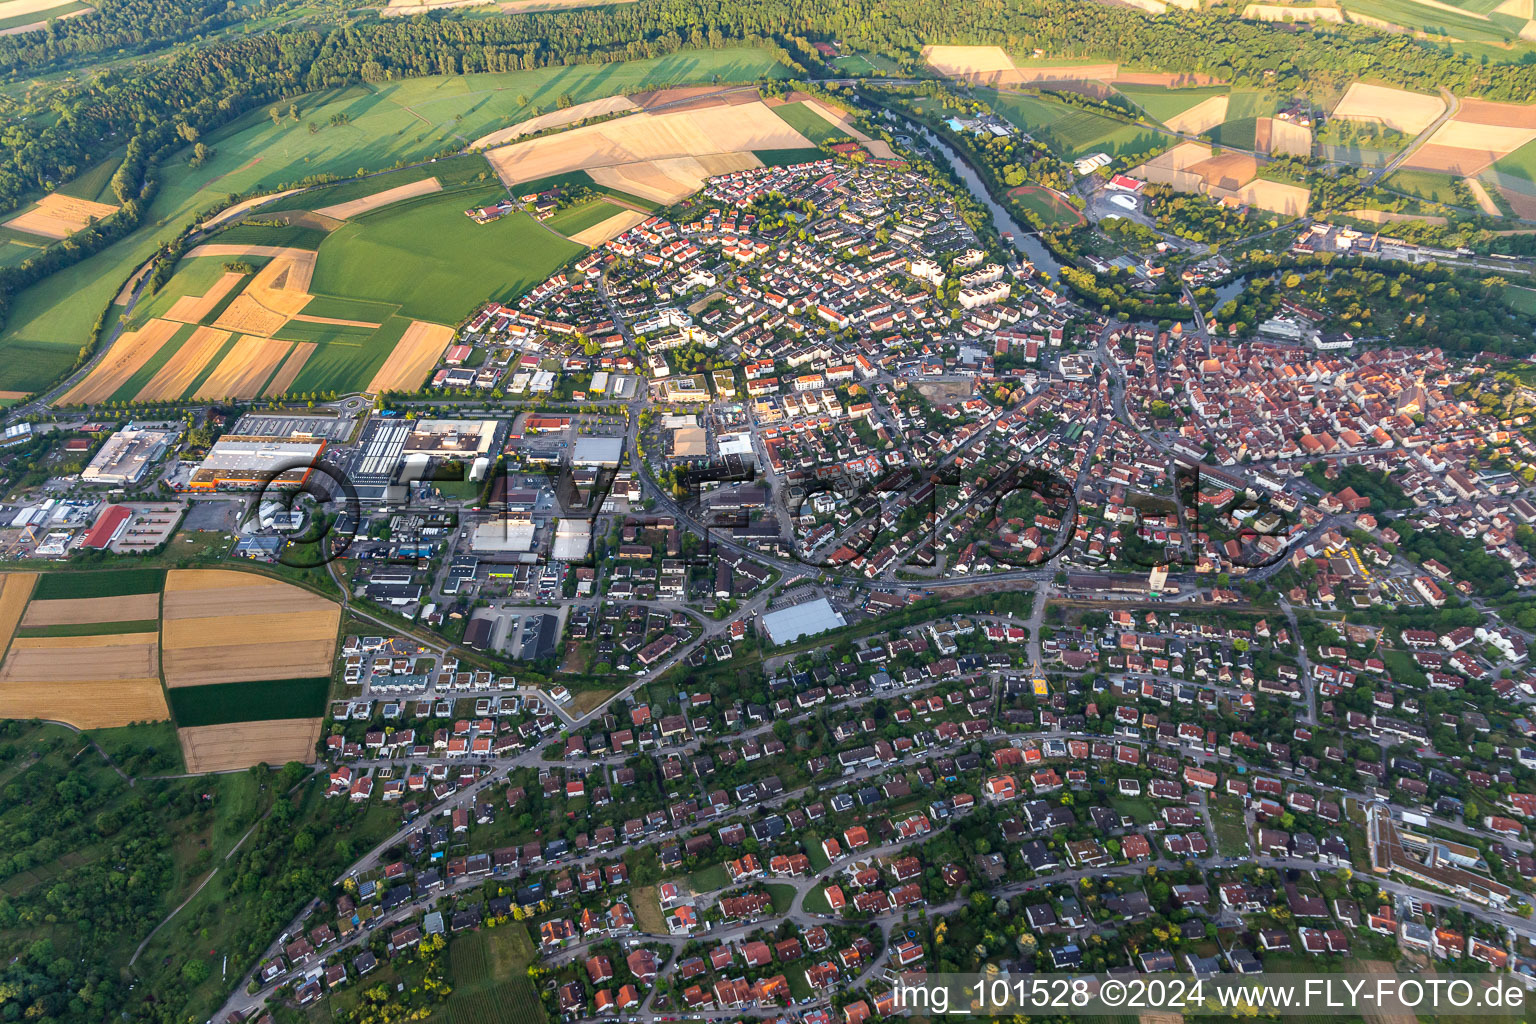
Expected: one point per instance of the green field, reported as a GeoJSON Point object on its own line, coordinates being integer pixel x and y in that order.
{"type": "Point", "coordinates": [581, 179]}
{"type": "Point", "coordinates": [375, 127]}
{"type": "Point", "coordinates": [1434, 21]}
{"type": "Point", "coordinates": [809, 123]}
{"type": "Point", "coordinates": [55, 586]}
{"type": "Point", "coordinates": [1521, 163]}
{"type": "Point", "coordinates": [1072, 131]}
{"type": "Point", "coordinates": [348, 362]}
{"type": "Point", "coordinates": [1162, 103]}
{"type": "Point", "coordinates": [378, 257]}
{"type": "Point", "coordinates": [1435, 186]}
{"type": "Point", "coordinates": [96, 183]}
{"type": "Point", "coordinates": [252, 232]}
{"type": "Point", "coordinates": [575, 219]}
{"type": "Point", "coordinates": [786, 157]}
{"type": "Point", "coordinates": [1522, 299]}
{"type": "Point", "coordinates": [456, 170]}
{"type": "Point", "coordinates": [222, 703]}
{"type": "Point", "coordinates": [92, 628]}
{"type": "Point", "coordinates": [488, 970]}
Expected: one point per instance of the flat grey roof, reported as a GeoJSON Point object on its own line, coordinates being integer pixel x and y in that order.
{"type": "Point", "coordinates": [790, 624]}
{"type": "Point", "coordinates": [598, 451]}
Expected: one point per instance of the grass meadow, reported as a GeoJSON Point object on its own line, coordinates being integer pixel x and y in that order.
{"type": "Point", "coordinates": [1072, 131]}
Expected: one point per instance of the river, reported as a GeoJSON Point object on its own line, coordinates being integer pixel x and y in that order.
{"type": "Point", "coordinates": [1023, 238]}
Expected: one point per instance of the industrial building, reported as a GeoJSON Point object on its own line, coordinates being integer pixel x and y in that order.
{"type": "Point", "coordinates": [127, 455]}
{"type": "Point", "coordinates": [236, 462]}
{"type": "Point", "coordinates": [598, 452]}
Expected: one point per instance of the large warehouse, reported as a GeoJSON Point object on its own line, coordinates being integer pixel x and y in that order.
{"type": "Point", "coordinates": [787, 625]}
{"type": "Point", "coordinates": [236, 462]}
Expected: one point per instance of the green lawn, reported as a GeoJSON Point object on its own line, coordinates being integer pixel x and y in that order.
{"type": "Point", "coordinates": [222, 703]}
{"type": "Point", "coordinates": [709, 879]}
{"type": "Point", "coordinates": [107, 583]}
{"type": "Point", "coordinates": [1051, 208]}
{"type": "Point", "coordinates": [375, 127]}
{"type": "Point", "coordinates": [379, 257]}
{"type": "Point", "coordinates": [809, 123]}
{"type": "Point", "coordinates": [575, 219]}
{"type": "Point", "coordinates": [1162, 103]}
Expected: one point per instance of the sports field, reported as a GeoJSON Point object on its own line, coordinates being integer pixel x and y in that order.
{"type": "Point", "coordinates": [1052, 209]}
{"type": "Point", "coordinates": [374, 126]}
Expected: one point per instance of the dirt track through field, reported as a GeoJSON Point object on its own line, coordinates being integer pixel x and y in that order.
{"type": "Point", "coordinates": [221, 748]}
{"type": "Point", "coordinates": [178, 373]}
{"type": "Point", "coordinates": [1484, 200]}
{"type": "Point", "coordinates": [412, 358]}
{"type": "Point", "coordinates": [125, 358]}
{"type": "Point", "coordinates": [128, 608]}
{"type": "Point", "coordinates": [352, 208]}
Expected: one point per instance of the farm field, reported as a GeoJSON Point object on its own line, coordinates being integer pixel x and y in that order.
{"type": "Point", "coordinates": [60, 586]}
{"type": "Point", "coordinates": [379, 257]}
{"type": "Point", "coordinates": [1073, 132]}
{"type": "Point", "coordinates": [85, 650]}
{"type": "Point", "coordinates": [407, 120]}
{"type": "Point", "coordinates": [809, 123]}
{"type": "Point", "coordinates": [1398, 109]}
{"type": "Point", "coordinates": [1431, 185]}
{"type": "Point", "coordinates": [327, 321]}
{"type": "Point", "coordinates": [1436, 20]}
{"type": "Point", "coordinates": [1162, 103]}
{"type": "Point", "coordinates": [663, 157]}
{"type": "Point", "coordinates": [575, 219]}
{"type": "Point", "coordinates": [266, 700]}
{"type": "Point", "coordinates": [488, 971]}
{"type": "Point", "coordinates": [228, 748]}
{"type": "Point", "coordinates": [225, 626]}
